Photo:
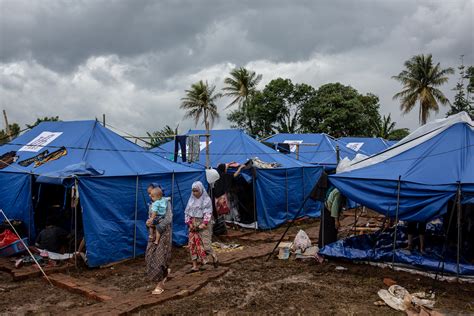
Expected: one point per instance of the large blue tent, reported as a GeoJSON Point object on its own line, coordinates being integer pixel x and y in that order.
{"type": "Point", "coordinates": [320, 149]}
{"type": "Point", "coordinates": [112, 175]}
{"type": "Point", "coordinates": [429, 165]}
{"type": "Point", "coordinates": [278, 192]}
{"type": "Point", "coordinates": [365, 145]}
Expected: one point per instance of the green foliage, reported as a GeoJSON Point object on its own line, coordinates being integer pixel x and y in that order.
{"type": "Point", "coordinates": [242, 86]}
{"type": "Point", "coordinates": [276, 108]}
{"type": "Point", "coordinates": [340, 111]}
{"type": "Point", "coordinates": [398, 134]}
{"type": "Point", "coordinates": [384, 127]}
{"type": "Point", "coordinates": [14, 131]}
{"type": "Point", "coordinates": [470, 75]}
{"type": "Point", "coordinates": [420, 79]}
{"type": "Point", "coordinates": [162, 136]}
{"type": "Point", "coordinates": [200, 101]}
{"type": "Point", "coordinates": [44, 119]}
{"type": "Point", "coordinates": [461, 102]}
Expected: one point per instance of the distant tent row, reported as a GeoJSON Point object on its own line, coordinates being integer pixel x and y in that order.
{"type": "Point", "coordinates": [112, 175]}
{"type": "Point", "coordinates": [322, 149]}
{"type": "Point", "coordinates": [277, 192]}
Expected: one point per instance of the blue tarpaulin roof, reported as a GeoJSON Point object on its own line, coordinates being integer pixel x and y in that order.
{"type": "Point", "coordinates": [365, 145]}
{"type": "Point", "coordinates": [279, 192]}
{"type": "Point", "coordinates": [430, 163]}
{"type": "Point", "coordinates": [319, 149]}
{"type": "Point", "coordinates": [113, 174]}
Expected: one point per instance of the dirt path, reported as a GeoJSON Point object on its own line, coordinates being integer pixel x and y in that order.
{"type": "Point", "coordinates": [249, 286]}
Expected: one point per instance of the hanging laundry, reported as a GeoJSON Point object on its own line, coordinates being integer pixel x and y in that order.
{"type": "Point", "coordinates": [194, 149]}
{"type": "Point", "coordinates": [180, 143]}
{"type": "Point", "coordinates": [7, 159]}
{"type": "Point", "coordinates": [29, 161]}
{"type": "Point", "coordinates": [284, 148]}
{"type": "Point", "coordinates": [52, 156]}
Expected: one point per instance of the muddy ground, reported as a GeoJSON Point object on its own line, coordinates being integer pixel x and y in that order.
{"type": "Point", "coordinates": [251, 286]}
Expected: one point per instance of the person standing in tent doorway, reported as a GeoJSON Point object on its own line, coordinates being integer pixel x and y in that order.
{"type": "Point", "coordinates": [158, 256]}
{"type": "Point", "coordinates": [413, 229]}
{"type": "Point", "coordinates": [226, 203]}
{"type": "Point", "coordinates": [330, 224]}
{"type": "Point", "coordinates": [198, 218]}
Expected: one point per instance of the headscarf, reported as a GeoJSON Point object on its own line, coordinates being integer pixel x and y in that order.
{"type": "Point", "coordinates": [198, 206]}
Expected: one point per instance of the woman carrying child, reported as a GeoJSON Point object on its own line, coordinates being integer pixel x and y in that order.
{"type": "Point", "coordinates": [198, 218]}
{"type": "Point", "coordinates": [158, 255]}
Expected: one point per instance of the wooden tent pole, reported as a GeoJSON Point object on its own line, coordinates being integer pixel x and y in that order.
{"type": "Point", "coordinates": [396, 222]}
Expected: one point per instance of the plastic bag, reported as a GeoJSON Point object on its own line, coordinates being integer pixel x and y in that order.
{"type": "Point", "coordinates": [7, 237]}
{"type": "Point", "coordinates": [302, 241]}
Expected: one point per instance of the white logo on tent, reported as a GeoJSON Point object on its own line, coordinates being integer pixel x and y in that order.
{"type": "Point", "coordinates": [40, 141]}
{"type": "Point", "coordinates": [355, 146]}
{"type": "Point", "coordinates": [293, 144]}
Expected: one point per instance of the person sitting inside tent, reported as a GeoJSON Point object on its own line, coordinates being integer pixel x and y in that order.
{"type": "Point", "coordinates": [157, 213]}
{"type": "Point", "coordinates": [330, 224]}
{"type": "Point", "coordinates": [52, 238]}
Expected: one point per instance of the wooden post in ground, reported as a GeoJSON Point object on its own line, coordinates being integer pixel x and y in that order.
{"type": "Point", "coordinates": [7, 126]}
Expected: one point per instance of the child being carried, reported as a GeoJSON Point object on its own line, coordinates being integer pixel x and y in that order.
{"type": "Point", "coordinates": [157, 213]}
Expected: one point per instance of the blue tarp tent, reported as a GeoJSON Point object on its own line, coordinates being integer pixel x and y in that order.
{"type": "Point", "coordinates": [317, 149]}
{"type": "Point", "coordinates": [365, 145]}
{"type": "Point", "coordinates": [278, 192]}
{"type": "Point", "coordinates": [112, 175]}
{"type": "Point", "coordinates": [429, 164]}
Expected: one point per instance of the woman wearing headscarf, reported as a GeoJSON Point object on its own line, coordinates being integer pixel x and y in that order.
{"type": "Point", "coordinates": [198, 218]}
{"type": "Point", "coordinates": [158, 256]}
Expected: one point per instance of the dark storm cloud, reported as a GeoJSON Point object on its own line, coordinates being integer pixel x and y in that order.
{"type": "Point", "coordinates": [79, 59]}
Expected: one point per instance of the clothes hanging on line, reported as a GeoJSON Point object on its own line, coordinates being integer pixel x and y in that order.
{"type": "Point", "coordinates": [180, 143]}
{"type": "Point", "coordinates": [52, 156]}
{"type": "Point", "coordinates": [7, 159]}
{"type": "Point", "coordinates": [194, 148]}
{"type": "Point", "coordinates": [29, 161]}
{"type": "Point", "coordinates": [284, 148]}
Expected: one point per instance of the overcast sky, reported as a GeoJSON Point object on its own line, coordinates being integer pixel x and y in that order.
{"type": "Point", "coordinates": [132, 60]}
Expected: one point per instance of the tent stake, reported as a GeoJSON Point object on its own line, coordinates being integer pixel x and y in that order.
{"type": "Point", "coordinates": [396, 223]}
{"type": "Point", "coordinates": [26, 247]}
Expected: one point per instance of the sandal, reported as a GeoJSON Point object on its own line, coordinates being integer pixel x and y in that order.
{"type": "Point", "coordinates": [157, 291]}
{"type": "Point", "coordinates": [192, 271]}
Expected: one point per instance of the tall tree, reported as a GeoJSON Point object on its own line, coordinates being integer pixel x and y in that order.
{"type": "Point", "coordinates": [340, 110]}
{"type": "Point", "coordinates": [420, 80]}
{"type": "Point", "coordinates": [162, 136]}
{"type": "Point", "coordinates": [242, 86]}
{"type": "Point", "coordinates": [276, 108]}
{"type": "Point", "coordinates": [200, 102]}
{"type": "Point", "coordinates": [44, 119]}
{"type": "Point", "coordinates": [461, 102]}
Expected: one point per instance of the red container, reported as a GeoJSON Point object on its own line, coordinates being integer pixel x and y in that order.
{"type": "Point", "coordinates": [13, 248]}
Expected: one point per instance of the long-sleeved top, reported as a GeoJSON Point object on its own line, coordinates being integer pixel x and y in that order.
{"type": "Point", "coordinates": [333, 203]}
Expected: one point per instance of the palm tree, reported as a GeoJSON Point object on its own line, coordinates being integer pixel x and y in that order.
{"type": "Point", "coordinates": [384, 127]}
{"type": "Point", "coordinates": [241, 86]}
{"type": "Point", "coordinates": [158, 138]}
{"type": "Point", "coordinates": [420, 79]}
{"type": "Point", "coordinates": [200, 102]}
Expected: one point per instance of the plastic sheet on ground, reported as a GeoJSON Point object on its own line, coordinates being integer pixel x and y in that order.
{"type": "Point", "coordinates": [378, 247]}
